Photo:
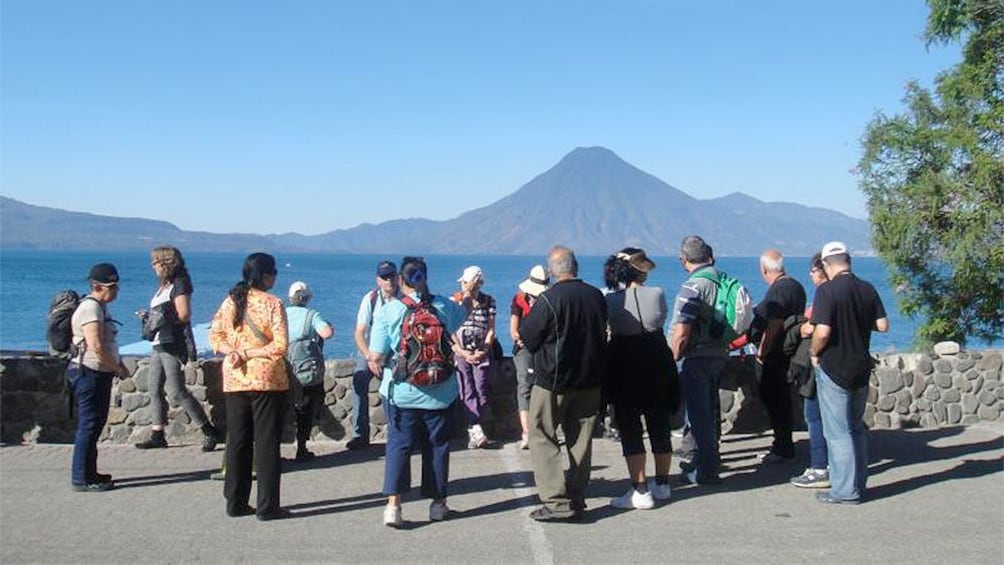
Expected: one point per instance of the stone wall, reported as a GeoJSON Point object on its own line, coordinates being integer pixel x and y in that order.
{"type": "Point", "coordinates": [941, 388]}
{"type": "Point", "coordinates": [35, 403]}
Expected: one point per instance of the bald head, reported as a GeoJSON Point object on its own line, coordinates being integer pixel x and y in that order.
{"type": "Point", "coordinates": [562, 263]}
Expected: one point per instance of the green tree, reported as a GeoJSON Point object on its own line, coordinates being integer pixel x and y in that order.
{"type": "Point", "coordinates": [934, 180]}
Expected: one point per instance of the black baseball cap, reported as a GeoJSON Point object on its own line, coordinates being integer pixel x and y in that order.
{"type": "Point", "coordinates": [386, 268]}
{"type": "Point", "coordinates": [104, 273]}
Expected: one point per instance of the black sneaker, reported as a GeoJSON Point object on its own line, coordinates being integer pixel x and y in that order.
{"type": "Point", "coordinates": [156, 441]}
{"type": "Point", "coordinates": [94, 487]}
{"type": "Point", "coordinates": [209, 442]}
{"type": "Point", "coordinates": [101, 478]}
{"type": "Point", "coordinates": [357, 443]}
{"type": "Point", "coordinates": [304, 455]}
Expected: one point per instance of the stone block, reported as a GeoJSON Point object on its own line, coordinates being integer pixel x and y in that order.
{"type": "Point", "coordinates": [972, 375]}
{"type": "Point", "coordinates": [340, 390]}
{"type": "Point", "coordinates": [977, 384]}
{"type": "Point", "coordinates": [134, 401]}
{"type": "Point", "coordinates": [191, 374]}
{"type": "Point", "coordinates": [873, 395]}
{"type": "Point", "coordinates": [881, 420]}
{"type": "Point", "coordinates": [987, 397]}
{"type": "Point", "coordinates": [963, 365]}
{"type": "Point", "coordinates": [886, 403]}
{"type": "Point", "coordinates": [924, 365]}
{"type": "Point", "coordinates": [142, 379]}
{"type": "Point", "coordinates": [339, 412]}
{"type": "Point", "coordinates": [869, 416]}
{"type": "Point", "coordinates": [117, 415]}
{"type": "Point", "coordinates": [989, 413]}
{"type": "Point", "coordinates": [890, 380]}
{"type": "Point", "coordinates": [342, 367]}
{"type": "Point", "coordinates": [127, 385]}
{"type": "Point", "coordinates": [374, 385]}
{"type": "Point", "coordinates": [1000, 393]}
{"type": "Point", "coordinates": [943, 380]}
{"type": "Point", "coordinates": [378, 416]}
{"type": "Point", "coordinates": [895, 421]}
{"type": "Point", "coordinates": [140, 417]}
{"type": "Point", "coordinates": [970, 419]}
{"type": "Point", "coordinates": [907, 378]}
{"type": "Point", "coordinates": [329, 382]}
{"type": "Point", "coordinates": [179, 415]}
{"type": "Point", "coordinates": [903, 400]}
{"type": "Point", "coordinates": [947, 348]}
{"type": "Point", "coordinates": [119, 434]}
{"type": "Point", "coordinates": [374, 400]}
{"type": "Point", "coordinates": [951, 395]}
{"type": "Point", "coordinates": [962, 384]}
{"type": "Point", "coordinates": [969, 403]}
{"type": "Point", "coordinates": [330, 399]}
{"type": "Point", "coordinates": [928, 421]}
{"type": "Point", "coordinates": [942, 366]}
{"type": "Point", "coordinates": [919, 384]}
{"type": "Point", "coordinates": [932, 393]}
{"type": "Point", "coordinates": [991, 361]}
{"type": "Point", "coordinates": [132, 363]}
{"type": "Point", "coordinates": [940, 411]}
{"type": "Point", "coordinates": [199, 392]}
{"type": "Point", "coordinates": [991, 384]}
{"type": "Point", "coordinates": [954, 414]}
{"type": "Point", "coordinates": [924, 405]}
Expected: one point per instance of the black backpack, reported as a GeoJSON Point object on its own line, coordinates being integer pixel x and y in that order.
{"type": "Point", "coordinates": [58, 329]}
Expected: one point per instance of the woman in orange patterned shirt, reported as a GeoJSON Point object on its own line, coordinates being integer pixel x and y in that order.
{"type": "Point", "coordinates": [250, 329]}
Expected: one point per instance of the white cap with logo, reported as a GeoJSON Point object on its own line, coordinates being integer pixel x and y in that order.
{"type": "Point", "coordinates": [833, 248]}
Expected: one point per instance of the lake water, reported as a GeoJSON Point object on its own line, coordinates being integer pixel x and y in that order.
{"type": "Point", "coordinates": [28, 279]}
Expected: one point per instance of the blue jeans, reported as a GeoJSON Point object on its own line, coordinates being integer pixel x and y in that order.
{"type": "Point", "coordinates": [842, 412]}
{"type": "Point", "coordinates": [699, 380]}
{"type": "Point", "coordinates": [93, 390]}
{"type": "Point", "coordinates": [427, 430]}
{"type": "Point", "coordinates": [817, 443]}
{"type": "Point", "coordinates": [361, 403]}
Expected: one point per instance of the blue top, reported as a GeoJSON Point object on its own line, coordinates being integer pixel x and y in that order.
{"type": "Point", "coordinates": [295, 318]}
{"type": "Point", "coordinates": [385, 339]}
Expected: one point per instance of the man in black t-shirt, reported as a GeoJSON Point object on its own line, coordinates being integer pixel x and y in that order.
{"type": "Point", "coordinates": [785, 297]}
{"type": "Point", "coordinates": [845, 312]}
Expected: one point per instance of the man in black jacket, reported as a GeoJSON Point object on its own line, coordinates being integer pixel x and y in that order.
{"type": "Point", "coordinates": [566, 332]}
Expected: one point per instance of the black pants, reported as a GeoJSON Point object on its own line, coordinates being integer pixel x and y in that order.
{"type": "Point", "coordinates": [306, 401]}
{"type": "Point", "coordinates": [775, 391]}
{"type": "Point", "coordinates": [254, 428]}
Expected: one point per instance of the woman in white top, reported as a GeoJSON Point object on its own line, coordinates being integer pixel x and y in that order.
{"type": "Point", "coordinates": [173, 346]}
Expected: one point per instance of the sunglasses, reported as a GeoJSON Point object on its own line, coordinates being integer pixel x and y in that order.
{"type": "Point", "coordinates": [108, 285]}
{"type": "Point", "coordinates": [388, 277]}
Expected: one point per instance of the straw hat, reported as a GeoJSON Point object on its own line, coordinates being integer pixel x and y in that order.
{"type": "Point", "coordinates": [536, 283]}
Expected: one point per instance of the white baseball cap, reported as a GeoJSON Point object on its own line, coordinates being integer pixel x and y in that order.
{"type": "Point", "coordinates": [472, 273]}
{"type": "Point", "coordinates": [302, 288]}
{"type": "Point", "coordinates": [833, 248]}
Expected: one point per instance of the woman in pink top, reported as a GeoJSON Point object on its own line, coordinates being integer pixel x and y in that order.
{"type": "Point", "coordinates": [250, 329]}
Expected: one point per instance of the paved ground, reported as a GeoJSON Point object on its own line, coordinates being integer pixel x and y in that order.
{"type": "Point", "coordinates": [937, 496]}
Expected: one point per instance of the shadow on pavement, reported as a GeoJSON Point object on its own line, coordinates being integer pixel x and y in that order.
{"type": "Point", "coordinates": [157, 480]}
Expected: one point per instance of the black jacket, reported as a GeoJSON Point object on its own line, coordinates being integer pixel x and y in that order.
{"type": "Point", "coordinates": [567, 333]}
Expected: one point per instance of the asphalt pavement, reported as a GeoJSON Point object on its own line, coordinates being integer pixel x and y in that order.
{"type": "Point", "coordinates": [936, 496]}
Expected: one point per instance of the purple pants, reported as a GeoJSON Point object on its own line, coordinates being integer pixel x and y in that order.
{"type": "Point", "coordinates": [473, 388]}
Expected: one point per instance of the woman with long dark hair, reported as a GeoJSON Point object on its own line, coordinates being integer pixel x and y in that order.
{"type": "Point", "coordinates": [173, 346]}
{"type": "Point", "coordinates": [250, 329]}
{"type": "Point", "coordinates": [642, 381]}
{"type": "Point", "coordinates": [418, 416]}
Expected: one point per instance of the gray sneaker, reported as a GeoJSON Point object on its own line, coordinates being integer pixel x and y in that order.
{"type": "Point", "coordinates": [812, 478]}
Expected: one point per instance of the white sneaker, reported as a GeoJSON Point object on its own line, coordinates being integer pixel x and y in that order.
{"type": "Point", "coordinates": [438, 511]}
{"type": "Point", "coordinates": [524, 443]}
{"type": "Point", "coordinates": [477, 437]}
{"type": "Point", "coordinates": [634, 499]}
{"type": "Point", "coordinates": [392, 517]}
{"type": "Point", "coordinates": [659, 492]}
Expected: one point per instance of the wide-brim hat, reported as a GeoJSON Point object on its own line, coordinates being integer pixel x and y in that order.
{"type": "Point", "coordinates": [536, 283]}
{"type": "Point", "coordinates": [637, 259]}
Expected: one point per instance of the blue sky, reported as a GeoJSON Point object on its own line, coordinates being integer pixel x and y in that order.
{"type": "Point", "coordinates": [308, 116]}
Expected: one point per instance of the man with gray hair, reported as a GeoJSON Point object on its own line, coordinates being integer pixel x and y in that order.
{"type": "Point", "coordinates": [845, 311]}
{"type": "Point", "coordinates": [785, 298]}
{"type": "Point", "coordinates": [701, 355]}
{"type": "Point", "coordinates": [566, 330]}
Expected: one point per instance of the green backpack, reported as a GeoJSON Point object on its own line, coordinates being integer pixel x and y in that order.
{"type": "Point", "coordinates": [305, 354]}
{"type": "Point", "coordinates": [733, 306]}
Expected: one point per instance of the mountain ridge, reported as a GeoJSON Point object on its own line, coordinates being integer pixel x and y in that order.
{"type": "Point", "coordinates": [591, 200]}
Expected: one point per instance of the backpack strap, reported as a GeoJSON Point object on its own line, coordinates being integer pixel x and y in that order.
{"type": "Point", "coordinates": [308, 324]}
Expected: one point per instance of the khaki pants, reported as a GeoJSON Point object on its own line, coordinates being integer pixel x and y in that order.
{"type": "Point", "coordinates": [575, 411]}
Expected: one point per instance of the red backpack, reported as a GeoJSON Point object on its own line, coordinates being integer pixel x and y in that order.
{"type": "Point", "coordinates": [425, 355]}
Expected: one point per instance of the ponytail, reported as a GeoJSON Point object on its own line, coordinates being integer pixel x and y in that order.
{"type": "Point", "coordinates": [256, 267]}
{"type": "Point", "coordinates": [414, 274]}
{"type": "Point", "coordinates": [239, 294]}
